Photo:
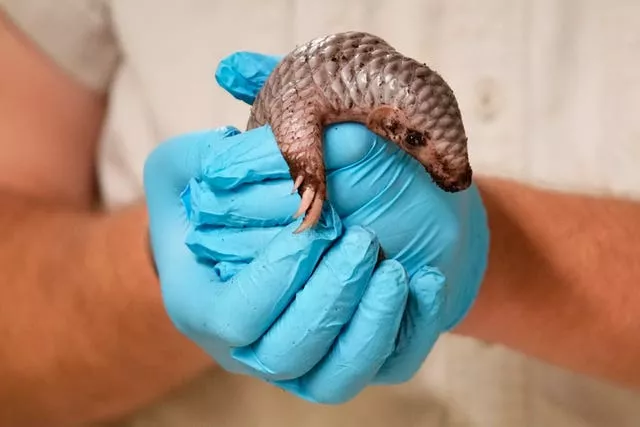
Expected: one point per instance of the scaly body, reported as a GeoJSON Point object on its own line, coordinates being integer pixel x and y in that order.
{"type": "Point", "coordinates": [358, 77]}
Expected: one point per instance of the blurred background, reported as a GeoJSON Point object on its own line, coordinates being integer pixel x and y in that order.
{"type": "Point", "coordinates": [550, 93]}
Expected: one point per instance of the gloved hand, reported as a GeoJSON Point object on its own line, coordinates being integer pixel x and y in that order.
{"type": "Point", "coordinates": [350, 324]}
{"type": "Point", "coordinates": [243, 306]}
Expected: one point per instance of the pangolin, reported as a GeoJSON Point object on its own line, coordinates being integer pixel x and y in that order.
{"type": "Point", "coordinates": [355, 76]}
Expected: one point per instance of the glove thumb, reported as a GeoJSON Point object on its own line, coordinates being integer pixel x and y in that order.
{"type": "Point", "coordinates": [243, 74]}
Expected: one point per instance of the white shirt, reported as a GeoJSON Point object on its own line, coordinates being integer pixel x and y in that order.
{"type": "Point", "coordinates": [550, 94]}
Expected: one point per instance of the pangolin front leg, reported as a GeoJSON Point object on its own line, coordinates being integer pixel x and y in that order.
{"type": "Point", "coordinates": [299, 136]}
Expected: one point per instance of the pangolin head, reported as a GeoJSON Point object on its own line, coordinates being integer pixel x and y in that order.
{"type": "Point", "coordinates": [434, 134]}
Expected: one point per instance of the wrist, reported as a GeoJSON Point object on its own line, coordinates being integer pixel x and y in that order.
{"type": "Point", "coordinates": [154, 332]}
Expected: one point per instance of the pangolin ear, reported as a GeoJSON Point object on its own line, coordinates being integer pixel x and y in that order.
{"type": "Point", "coordinates": [388, 122]}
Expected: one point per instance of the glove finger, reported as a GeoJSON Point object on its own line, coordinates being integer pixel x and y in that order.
{"type": "Point", "coordinates": [243, 74]}
{"type": "Point", "coordinates": [266, 204]}
{"type": "Point", "coordinates": [419, 330]}
{"type": "Point", "coordinates": [228, 244]}
{"type": "Point", "coordinates": [306, 331]}
{"type": "Point", "coordinates": [254, 156]}
{"type": "Point", "coordinates": [261, 290]}
{"type": "Point", "coordinates": [248, 157]}
{"type": "Point", "coordinates": [364, 345]}
{"type": "Point", "coordinates": [235, 225]}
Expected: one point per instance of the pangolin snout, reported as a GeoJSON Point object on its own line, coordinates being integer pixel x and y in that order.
{"type": "Point", "coordinates": [450, 179]}
{"type": "Point", "coordinates": [450, 173]}
{"type": "Point", "coordinates": [460, 179]}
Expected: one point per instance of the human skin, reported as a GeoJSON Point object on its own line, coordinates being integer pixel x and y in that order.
{"type": "Point", "coordinates": [562, 280]}
{"type": "Point", "coordinates": [83, 330]}
{"type": "Point", "coordinates": [561, 290]}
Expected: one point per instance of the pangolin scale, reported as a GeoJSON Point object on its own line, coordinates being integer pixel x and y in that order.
{"type": "Point", "coordinates": [358, 77]}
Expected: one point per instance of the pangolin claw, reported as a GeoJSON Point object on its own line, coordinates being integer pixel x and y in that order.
{"type": "Point", "coordinates": [307, 198]}
{"type": "Point", "coordinates": [297, 184]}
{"type": "Point", "coordinates": [312, 216]}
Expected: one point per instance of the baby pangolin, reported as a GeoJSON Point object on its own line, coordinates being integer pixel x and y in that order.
{"type": "Point", "coordinates": [358, 77]}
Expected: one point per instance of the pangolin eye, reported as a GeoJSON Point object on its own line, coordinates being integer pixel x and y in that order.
{"type": "Point", "coordinates": [415, 139]}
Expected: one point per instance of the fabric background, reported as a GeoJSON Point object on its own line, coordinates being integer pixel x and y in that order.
{"type": "Point", "coordinates": [550, 94]}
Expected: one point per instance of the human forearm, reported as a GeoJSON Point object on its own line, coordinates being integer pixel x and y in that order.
{"type": "Point", "coordinates": [83, 329]}
{"type": "Point", "coordinates": [562, 280]}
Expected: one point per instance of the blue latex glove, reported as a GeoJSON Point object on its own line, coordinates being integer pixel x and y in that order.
{"type": "Point", "coordinates": [345, 314]}
{"type": "Point", "coordinates": [350, 324]}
